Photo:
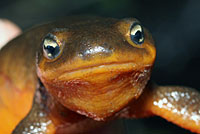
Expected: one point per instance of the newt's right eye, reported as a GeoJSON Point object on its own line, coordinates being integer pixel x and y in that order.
{"type": "Point", "coordinates": [51, 47]}
{"type": "Point", "coordinates": [137, 34]}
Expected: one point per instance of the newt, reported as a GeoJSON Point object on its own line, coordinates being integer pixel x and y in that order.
{"type": "Point", "coordinates": [75, 75]}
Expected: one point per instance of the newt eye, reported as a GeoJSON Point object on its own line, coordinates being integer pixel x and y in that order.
{"type": "Point", "coordinates": [137, 33]}
{"type": "Point", "coordinates": [51, 48]}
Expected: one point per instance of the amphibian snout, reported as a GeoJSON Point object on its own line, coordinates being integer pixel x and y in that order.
{"type": "Point", "coordinates": [85, 70]}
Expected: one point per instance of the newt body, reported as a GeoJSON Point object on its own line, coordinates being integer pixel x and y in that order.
{"type": "Point", "coordinates": [85, 69]}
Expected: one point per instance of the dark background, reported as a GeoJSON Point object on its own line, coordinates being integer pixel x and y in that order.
{"type": "Point", "coordinates": [174, 24]}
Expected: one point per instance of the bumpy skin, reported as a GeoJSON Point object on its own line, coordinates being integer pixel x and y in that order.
{"type": "Point", "coordinates": [100, 73]}
{"type": "Point", "coordinates": [177, 104]}
{"type": "Point", "coordinates": [180, 105]}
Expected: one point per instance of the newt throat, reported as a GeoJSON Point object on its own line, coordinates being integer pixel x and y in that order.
{"type": "Point", "coordinates": [99, 95]}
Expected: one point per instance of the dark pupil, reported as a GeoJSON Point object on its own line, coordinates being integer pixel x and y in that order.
{"type": "Point", "coordinates": [54, 51]}
{"type": "Point", "coordinates": [137, 37]}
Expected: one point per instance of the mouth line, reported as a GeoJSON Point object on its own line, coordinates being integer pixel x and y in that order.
{"type": "Point", "coordinates": [107, 67]}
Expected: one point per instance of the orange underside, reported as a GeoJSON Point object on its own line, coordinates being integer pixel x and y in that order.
{"type": "Point", "coordinates": [152, 102]}
{"type": "Point", "coordinates": [176, 119]}
{"type": "Point", "coordinates": [171, 103]}
{"type": "Point", "coordinates": [14, 105]}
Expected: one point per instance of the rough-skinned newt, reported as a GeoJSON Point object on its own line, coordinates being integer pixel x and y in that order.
{"type": "Point", "coordinates": [75, 75]}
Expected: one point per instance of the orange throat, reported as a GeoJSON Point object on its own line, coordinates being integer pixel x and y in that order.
{"type": "Point", "coordinates": [98, 92]}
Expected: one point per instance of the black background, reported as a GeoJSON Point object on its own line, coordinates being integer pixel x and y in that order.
{"type": "Point", "coordinates": [174, 24]}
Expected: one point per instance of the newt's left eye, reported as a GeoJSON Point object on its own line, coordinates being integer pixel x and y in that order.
{"type": "Point", "coordinates": [51, 48]}
{"type": "Point", "coordinates": [136, 33]}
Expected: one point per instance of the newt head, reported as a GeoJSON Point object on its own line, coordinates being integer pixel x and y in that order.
{"type": "Point", "coordinates": [96, 67]}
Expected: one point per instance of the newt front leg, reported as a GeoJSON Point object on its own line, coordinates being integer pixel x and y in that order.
{"type": "Point", "coordinates": [180, 105]}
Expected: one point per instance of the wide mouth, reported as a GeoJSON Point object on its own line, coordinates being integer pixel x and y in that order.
{"type": "Point", "coordinates": [111, 67]}
{"type": "Point", "coordinates": [98, 91]}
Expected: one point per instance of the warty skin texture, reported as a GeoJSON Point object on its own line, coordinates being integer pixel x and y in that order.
{"type": "Point", "coordinates": [100, 74]}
